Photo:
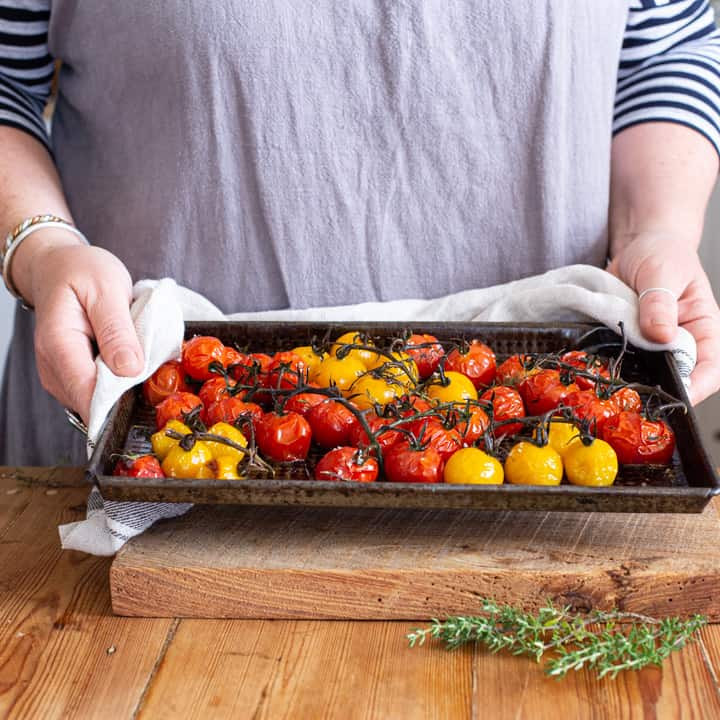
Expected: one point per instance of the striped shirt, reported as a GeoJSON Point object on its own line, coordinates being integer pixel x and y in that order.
{"type": "Point", "coordinates": [669, 67]}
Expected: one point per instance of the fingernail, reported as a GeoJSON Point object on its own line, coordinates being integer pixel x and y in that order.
{"type": "Point", "coordinates": [124, 360]}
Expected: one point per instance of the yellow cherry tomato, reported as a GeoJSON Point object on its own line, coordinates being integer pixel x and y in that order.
{"type": "Point", "coordinates": [354, 337]}
{"type": "Point", "coordinates": [309, 356]}
{"type": "Point", "coordinates": [226, 468]}
{"type": "Point", "coordinates": [342, 373]}
{"type": "Point", "coordinates": [561, 436]}
{"type": "Point", "coordinates": [218, 449]}
{"type": "Point", "coordinates": [459, 388]}
{"type": "Point", "coordinates": [162, 444]}
{"type": "Point", "coordinates": [472, 466]}
{"type": "Point", "coordinates": [401, 368]}
{"type": "Point", "coordinates": [528, 464]}
{"type": "Point", "coordinates": [193, 463]}
{"type": "Point", "coordinates": [368, 391]}
{"type": "Point", "coordinates": [594, 464]}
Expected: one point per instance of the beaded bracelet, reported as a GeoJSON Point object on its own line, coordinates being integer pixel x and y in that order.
{"type": "Point", "coordinates": [21, 232]}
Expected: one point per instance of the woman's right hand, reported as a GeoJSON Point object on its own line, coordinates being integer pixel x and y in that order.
{"type": "Point", "coordinates": [80, 294]}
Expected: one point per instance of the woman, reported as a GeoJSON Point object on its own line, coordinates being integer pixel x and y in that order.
{"type": "Point", "coordinates": [316, 153]}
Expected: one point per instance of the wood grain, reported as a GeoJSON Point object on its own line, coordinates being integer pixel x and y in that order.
{"type": "Point", "coordinates": [263, 562]}
{"type": "Point", "coordinates": [62, 653]}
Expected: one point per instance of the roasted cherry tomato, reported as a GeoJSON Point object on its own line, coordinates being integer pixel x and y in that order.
{"type": "Point", "coordinates": [283, 438]}
{"type": "Point", "coordinates": [368, 391]}
{"type": "Point", "coordinates": [286, 371]}
{"type": "Point", "coordinates": [471, 466]}
{"type": "Point", "coordinates": [471, 422]}
{"type": "Point", "coordinates": [219, 449]}
{"type": "Point", "coordinates": [347, 463]}
{"type": "Point", "coordinates": [397, 368]}
{"type": "Point", "coordinates": [528, 464]}
{"type": "Point", "coordinates": [197, 462]}
{"type": "Point", "coordinates": [253, 369]}
{"type": "Point", "coordinates": [515, 369]}
{"type": "Point", "coordinates": [638, 440]}
{"type": "Point", "coordinates": [627, 399]}
{"type": "Point", "coordinates": [176, 407]}
{"type": "Point", "coordinates": [215, 389]}
{"type": "Point", "coordinates": [588, 363]}
{"type": "Point", "coordinates": [377, 425]}
{"type": "Point", "coordinates": [230, 409]}
{"type": "Point", "coordinates": [340, 348]}
{"type": "Point", "coordinates": [304, 402]}
{"type": "Point", "coordinates": [409, 405]}
{"type": "Point", "coordinates": [309, 356]}
{"type": "Point", "coordinates": [560, 435]}
{"type": "Point", "coordinates": [404, 463]}
{"type": "Point", "coordinates": [169, 378]}
{"type": "Point", "coordinates": [456, 387]}
{"type": "Point", "coordinates": [506, 405]}
{"type": "Point", "coordinates": [331, 423]}
{"type": "Point", "coordinates": [426, 352]}
{"type": "Point", "coordinates": [590, 462]}
{"type": "Point", "coordinates": [586, 405]}
{"type": "Point", "coordinates": [445, 440]}
{"type": "Point", "coordinates": [141, 466]}
{"type": "Point", "coordinates": [232, 357]}
{"type": "Point", "coordinates": [199, 353]}
{"type": "Point", "coordinates": [476, 361]}
{"type": "Point", "coordinates": [545, 390]}
{"type": "Point", "coordinates": [162, 443]}
{"type": "Point", "coordinates": [226, 468]}
{"type": "Point", "coordinates": [339, 373]}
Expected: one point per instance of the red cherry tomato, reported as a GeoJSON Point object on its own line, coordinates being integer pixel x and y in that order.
{"type": "Point", "coordinates": [471, 423]}
{"type": "Point", "coordinates": [627, 399]}
{"type": "Point", "coordinates": [637, 440]}
{"type": "Point", "coordinates": [515, 369]}
{"type": "Point", "coordinates": [587, 363]}
{"type": "Point", "coordinates": [142, 466]}
{"type": "Point", "coordinates": [445, 440]}
{"type": "Point", "coordinates": [544, 391]}
{"type": "Point", "coordinates": [426, 351]}
{"type": "Point", "coordinates": [304, 402]}
{"type": "Point", "coordinates": [386, 438]}
{"type": "Point", "coordinates": [477, 362]}
{"type": "Point", "coordinates": [199, 353]}
{"type": "Point", "coordinates": [229, 409]}
{"type": "Point", "coordinates": [169, 378]}
{"type": "Point", "coordinates": [283, 438]}
{"type": "Point", "coordinates": [331, 423]}
{"type": "Point", "coordinates": [215, 389]}
{"type": "Point", "coordinates": [506, 405]}
{"type": "Point", "coordinates": [176, 407]}
{"type": "Point", "coordinates": [347, 463]}
{"type": "Point", "coordinates": [586, 405]}
{"type": "Point", "coordinates": [286, 370]}
{"type": "Point", "coordinates": [232, 357]}
{"type": "Point", "coordinates": [403, 463]}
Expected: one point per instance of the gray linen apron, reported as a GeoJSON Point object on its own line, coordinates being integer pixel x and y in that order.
{"type": "Point", "coordinates": [314, 152]}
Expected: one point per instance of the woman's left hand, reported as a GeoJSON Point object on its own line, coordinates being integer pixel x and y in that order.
{"type": "Point", "coordinates": [653, 261]}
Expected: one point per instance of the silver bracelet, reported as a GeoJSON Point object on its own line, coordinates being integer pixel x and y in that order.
{"type": "Point", "coordinates": [20, 233]}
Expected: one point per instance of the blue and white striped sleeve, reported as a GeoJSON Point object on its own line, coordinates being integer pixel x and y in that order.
{"type": "Point", "coordinates": [670, 67]}
{"type": "Point", "coordinates": [26, 68]}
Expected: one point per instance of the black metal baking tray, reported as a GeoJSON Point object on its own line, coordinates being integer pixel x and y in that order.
{"type": "Point", "coordinates": [684, 486]}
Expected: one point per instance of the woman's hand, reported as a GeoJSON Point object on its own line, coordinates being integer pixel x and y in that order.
{"type": "Point", "coordinates": [80, 294]}
{"type": "Point", "coordinates": [652, 260]}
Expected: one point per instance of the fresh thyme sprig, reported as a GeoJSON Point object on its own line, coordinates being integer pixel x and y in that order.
{"type": "Point", "coordinates": [571, 639]}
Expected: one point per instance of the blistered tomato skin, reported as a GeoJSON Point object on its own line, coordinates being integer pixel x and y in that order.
{"type": "Point", "coordinates": [347, 464]}
{"type": "Point", "coordinates": [471, 466]}
{"type": "Point", "coordinates": [141, 466]}
{"type": "Point", "coordinates": [638, 441]}
{"type": "Point", "coordinates": [593, 464]}
{"type": "Point", "coordinates": [199, 353]}
{"type": "Point", "coordinates": [169, 378]}
{"type": "Point", "coordinates": [405, 464]}
{"type": "Point", "coordinates": [368, 391]}
{"type": "Point", "coordinates": [188, 464]}
{"type": "Point", "coordinates": [427, 353]}
{"type": "Point", "coordinates": [176, 407]}
{"type": "Point", "coordinates": [283, 438]}
{"type": "Point", "coordinates": [477, 362]}
{"type": "Point", "coordinates": [544, 391]}
{"type": "Point", "coordinates": [506, 405]}
{"type": "Point", "coordinates": [162, 443]}
{"type": "Point", "coordinates": [528, 464]}
{"type": "Point", "coordinates": [331, 423]}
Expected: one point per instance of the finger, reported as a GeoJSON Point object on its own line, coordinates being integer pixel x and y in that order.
{"type": "Point", "coordinates": [65, 361]}
{"type": "Point", "coordinates": [658, 308]}
{"type": "Point", "coordinates": [705, 328]}
{"type": "Point", "coordinates": [109, 315]}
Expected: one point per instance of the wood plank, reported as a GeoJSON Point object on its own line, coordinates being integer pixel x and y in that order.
{"type": "Point", "coordinates": [284, 669]}
{"type": "Point", "coordinates": [324, 563]}
{"type": "Point", "coordinates": [62, 653]}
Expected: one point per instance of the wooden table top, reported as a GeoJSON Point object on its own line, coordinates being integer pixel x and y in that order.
{"type": "Point", "coordinates": [63, 654]}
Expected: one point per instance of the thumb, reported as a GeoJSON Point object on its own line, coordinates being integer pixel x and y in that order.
{"type": "Point", "coordinates": [658, 294]}
{"type": "Point", "coordinates": [115, 334]}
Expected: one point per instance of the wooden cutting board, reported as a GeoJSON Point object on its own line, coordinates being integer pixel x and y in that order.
{"type": "Point", "coordinates": [289, 562]}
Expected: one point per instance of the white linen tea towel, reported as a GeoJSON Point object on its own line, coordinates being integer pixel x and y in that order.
{"type": "Point", "coordinates": [161, 307]}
